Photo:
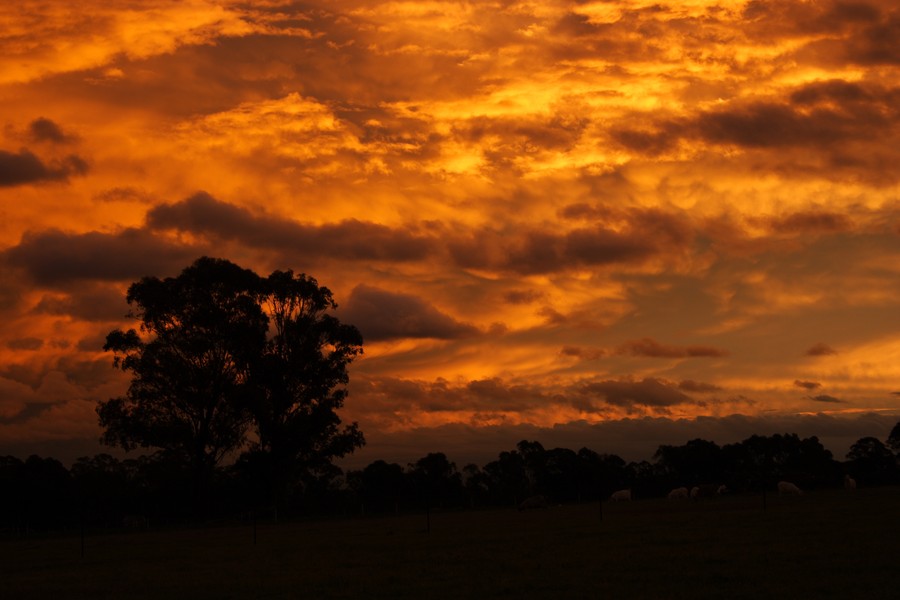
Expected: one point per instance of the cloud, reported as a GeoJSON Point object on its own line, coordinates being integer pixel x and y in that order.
{"type": "Point", "coordinates": [820, 349]}
{"type": "Point", "coordinates": [625, 237]}
{"type": "Point", "coordinates": [124, 194]}
{"type": "Point", "coordinates": [349, 239]}
{"type": "Point", "coordinates": [826, 398]}
{"type": "Point", "coordinates": [383, 315]}
{"type": "Point", "coordinates": [57, 259]}
{"type": "Point", "coordinates": [583, 353]}
{"type": "Point", "coordinates": [689, 385]}
{"type": "Point", "coordinates": [24, 167]}
{"type": "Point", "coordinates": [523, 296]}
{"type": "Point", "coordinates": [88, 302]}
{"type": "Point", "coordinates": [648, 392]}
{"type": "Point", "coordinates": [651, 348]}
{"type": "Point", "coordinates": [45, 130]}
{"type": "Point", "coordinates": [810, 221]}
{"type": "Point", "coordinates": [27, 343]}
{"type": "Point", "coordinates": [807, 385]}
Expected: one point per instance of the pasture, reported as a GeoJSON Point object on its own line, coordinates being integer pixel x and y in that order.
{"type": "Point", "coordinates": [827, 544]}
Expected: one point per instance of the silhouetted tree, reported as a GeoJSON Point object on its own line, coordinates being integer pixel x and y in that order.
{"type": "Point", "coordinates": [561, 480]}
{"type": "Point", "coordinates": [698, 461]}
{"type": "Point", "coordinates": [893, 441]}
{"type": "Point", "coordinates": [436, 481]}
{"type": "Point", "coordinates": [508, 478]}
{"type": "Point", "coordinates": [759, 462]}
{"type": "Point", "coordinates": [476, 484]}
{"type": "Point", "coordinates": [600, 474]}
{"type": "Point", "coordinates": [380, 486]}
{"type": "Point", "coordinates": [47, 494]}
{"type": "Point", "coordinates": [298, 382]}
{"type": "Point", "coordinates": [188, 392]}
{"type": "Point", "coordinates": [871, 462]}
{"type": "Point", "coordinates": [223, 351]}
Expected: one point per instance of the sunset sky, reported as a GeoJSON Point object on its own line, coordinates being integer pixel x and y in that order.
{"type": "Point", "coordinates": [615, 223]}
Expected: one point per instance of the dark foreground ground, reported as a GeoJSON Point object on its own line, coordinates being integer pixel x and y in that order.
{"type": "Point", "coordinates": [829, 544]}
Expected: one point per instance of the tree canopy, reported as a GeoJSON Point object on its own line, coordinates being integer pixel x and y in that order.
{"type": "Point", "coordinates": [225, 360]}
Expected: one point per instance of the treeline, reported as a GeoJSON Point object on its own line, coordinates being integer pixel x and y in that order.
{"type": "Point", "coordinates": [102, 492]}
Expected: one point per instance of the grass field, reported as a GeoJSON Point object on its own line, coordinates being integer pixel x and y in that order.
{"type": "Point", "coordinates": [829, 544]}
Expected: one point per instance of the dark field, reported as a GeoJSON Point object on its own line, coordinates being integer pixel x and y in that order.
{"type": "Point", "coordinates": [829, 544]}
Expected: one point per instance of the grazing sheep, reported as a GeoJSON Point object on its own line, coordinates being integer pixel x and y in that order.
{"type": "Point", "coordinates": [533, 502]}
{"type": "Point", "coordinates": [722, 489]}
{"type": "Point", "coordinates": [786, 487]}
{"type": "Point", "coordinates": [621, 495]}
{"type": "Point", "coordinates": [849, 483]}
{"type": "Point", "coordinates": [678, 494]}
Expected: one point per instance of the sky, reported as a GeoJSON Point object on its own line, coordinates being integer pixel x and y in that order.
{"type": "Point", "coordinates": [611, 224]}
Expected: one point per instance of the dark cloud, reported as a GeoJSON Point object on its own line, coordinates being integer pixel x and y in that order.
{"type": "Point", "coordinates": [57, 259]}
{"type": "Point", "coordinates": [618, 237]}
{"type": "Point", "coordinates": [807, 385]}
{"type": "Point", "coordinates": [876, 43]}
{"type": "Point", "coordinates": [91, 303]}
{"type": "Point", "coordinates": [29, 411]}
{"type": "Point", "coordinates": [699, 387]}
{"type": "Point", "coordinates": [770, 125]}
{"type": "Point", "coordinates": [820, 349]}
{"type": "Point", "coordinates": [24, 167]}
{"type": "Point", "coordinates": [583, 353]}
{"type": "Point", "coordinates": [811, 221]}
{"type": "Point", "coordinates": [124, 194]}
{"type": "Point", "coordinates": [833, 90]}
{"type": "Point", "coordinates": [45, 130]}
{"type": "Point", "coordinates": [651, 348]}
{"type": "Point", "coordinates": [826, 398]}
{"type": "Point", "coordinates": [382, 315]}
{"type": "Point", "coordinates": [648, 392]}
{"type": "Point", "coordinates": [93, 343]}
{"type": "Point", "coordinates": [517, 137]}
{"type": "Point", "coordinates": [389, 396]}
{"type": "Point", "coordinates": [648, 142]}
{"type": "Point", "coordinates": [350, 239]}
{"type": "Point", "coordinates": [523, 296]}
{"type": "Point", "coordinates": [27, 343]}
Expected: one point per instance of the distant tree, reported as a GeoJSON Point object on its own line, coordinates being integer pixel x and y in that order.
{"type": "Point", "coordinates": [436, 480]}
{"type": "Point", "coordinates": [47, 494]}
{"type": "Point", "coordinates": [299, 382]}
{"type": "Point", "coordinates": [508, 479]}
{"type": "Point", "coordinates": [698, 461]}
{"type": "Point", "coordinates": [535, 458]}
{"type": "Point", "coordinates": [476, 484]}
{"type": "Point", "coordinates": [759, 462]}
{"type": "Point", "coordinates": [600, 474]}
{"type": "Point", "coordinates": [871, 462]}
{"type": "Point", "coordinates": [105, 492]}
{"type": "Point", "coordinates": [561, 480]}
{"type": "Point", "coordinates": [190, 367]}
{"type": "Point", "coordinates": [381, 485]}
{"type": "Point", "coordinates": [893, 441]}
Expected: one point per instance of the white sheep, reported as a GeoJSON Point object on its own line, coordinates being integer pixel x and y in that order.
{"type": "Point", "coordinates": [678, 494]}
{"type": "Point", "coordinates": [722, 489]}
{"type": "Point", "coordinates": [695, 492]}
{"type": "Point", "coordinates": [849, 483]}
{"type": "Point", "coordinates": [621, 495]}
{"type": "Point", "coordinates": [786, 487]}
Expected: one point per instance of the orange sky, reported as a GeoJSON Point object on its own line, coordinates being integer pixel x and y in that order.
{"type": "Point", "coordinates": [545, 217]}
